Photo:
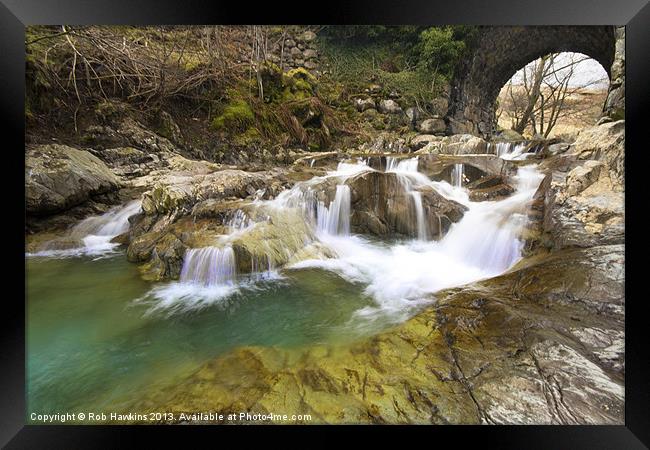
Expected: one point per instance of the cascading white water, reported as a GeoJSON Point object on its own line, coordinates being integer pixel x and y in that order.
{"type": "Point", "coordinates": [423, 233]}
{"type": "Point", "coordinates": [457, 175]}
{"type": "Point", "coordinates": [501, 148]}
{"type": "Point", "coordinates": [239, 221]}
{"type": "Point", "coordinates": [402, 165]}
{"type": "Point", "coordinates": [209, 266]}
{"type": "Point", "coordinates": [488, 235]}
{"type": "Point", "coordinates": [409, 177]}
{"type": "Point", "coordinates": [111, 223]}
{"type": "Point", "coordinates": [335, 219]}
{"type": "Point", "coordinates": [483, 244]}
{"type": "Point", "coordinates": [93, 235]}
{"type": "Point", "coordinates": [398, 276]}
{"type": "Point", "coordinates": [261, 268]}
{"type": "Point", "coordinates": [511, 150]}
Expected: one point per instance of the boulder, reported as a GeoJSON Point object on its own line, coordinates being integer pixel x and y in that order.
{"type": "Point", "coordinates": [389, 107]}
{"type": "Point", "coordinates": [165, 260]}
{"type": "Point", "coordinates": [439, 106]}
{"type": "Point", "coordinates": [181, 193]}
{"type": "Point", "coordinates": [491, 193]}
{"type": "Point", "coordinates": [363, 104]}
{"type": "Point", "coordinates": [58, 177]}
{"type": "Point", "coordinates": [422, 140]}
{"type": "Point", "coordinates": [556, 149]}
{"type": "Point", "coordinates": [373, 89]}
{"type": "Point", "coordinates": [433, 126]}
{"type": "Point", "coordinates": [604, 143]}
{"type": "Point", "coordinates": [168, 128]}
{"type": "Point", "coordinates": [127, 133]}
{"type": "Point", "coordinates": [385, 142]}
{"type": "Point", "coordinates": [382, 206]}
{"type": "Point", "coordinates": [457, 144]}
{"type": "Point", "coordinates": [583, 176]}
{"type": "Point", "coordinates": [582, 208]}
{"type": "Point", "coordinates": [129, 162]}
{"type": "Point", "coordinates": [489, 187]}
{"type": "Point", "coordinates": [486, 181]}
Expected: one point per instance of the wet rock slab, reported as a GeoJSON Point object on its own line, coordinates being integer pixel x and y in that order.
{"type": "Point", "coordinates": [506, 350]}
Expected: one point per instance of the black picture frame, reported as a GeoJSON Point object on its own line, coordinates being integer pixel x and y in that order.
{"type": "Point", "coordinates": [16, 14]}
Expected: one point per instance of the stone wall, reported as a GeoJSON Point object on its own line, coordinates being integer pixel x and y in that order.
{"type": "Point", "coordinates": [288, 47]}
{"type": "Point", "coordinates": [615, 103]}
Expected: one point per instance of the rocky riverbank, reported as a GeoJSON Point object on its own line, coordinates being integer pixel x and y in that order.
{"type": "Point", "coordinates": [543, 343]}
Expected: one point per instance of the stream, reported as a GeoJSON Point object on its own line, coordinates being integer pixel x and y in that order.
{"type": "Point", "coordinates": [98, 335]}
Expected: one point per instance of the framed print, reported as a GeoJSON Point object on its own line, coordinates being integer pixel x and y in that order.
{"type": "Point", "coordinates": [364, 215]}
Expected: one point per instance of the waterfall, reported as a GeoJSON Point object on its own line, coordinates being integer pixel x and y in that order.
{"type": "Point", "coordinates": [483, 244]}
{"type": "Point", "coordinates": [239, 221]}
{"type": "Point", "coordinates": [502, 148]}
{"type": "Point", "coordinates": [93, 235]}
{"type": "Point", "coordinates": [97, 232]}
{"type": "Point", "coordinates": [111, 223]}
{"type": "Point", "coordinates": [209, 266]}
{"type": "Point", "coordinates": [397, 275]}
{"type": "Point", "coordinates": [408, 177]}
{"type": "Point", "coordinates": [488, 235]}
{"type": "Point", "coordinates": [345, 169]}
{"type": "Point", "coordinates": [335, 219]}
{"type": "Point", "coordinates": [511, 150]}
{"type": "Point", "coordinates": [404, 165]}
{"type": "Point", "coordinates": [261, 268]}
{"type": "Point", "coordinates": [457, 175]}
{"type": "Point", "coordinates": [419, 214]}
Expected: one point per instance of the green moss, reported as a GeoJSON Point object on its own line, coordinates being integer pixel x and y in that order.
{"type": "Point", "coordinates": [249, 137]}
{"type": "Point", "coordinates": [111, 109]}
{"type": "Point", "coordinates": [272, 82]}
{"type": "Point", "coordinates": [237, 115]}
{"type": "Point", "coordinates": [300, 73]}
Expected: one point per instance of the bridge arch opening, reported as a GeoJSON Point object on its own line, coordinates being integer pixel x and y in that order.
{"type": "Point", "coordinates": [555, 95]}
{"type": "Point", "coordinates": [499, 52]}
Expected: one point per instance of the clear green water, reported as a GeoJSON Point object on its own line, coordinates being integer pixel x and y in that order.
{"type": "Point", "coordinates": [91, 348]}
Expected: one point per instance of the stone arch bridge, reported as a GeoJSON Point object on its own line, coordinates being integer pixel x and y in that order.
{"type": "Point", "coordinates": [499, 52]}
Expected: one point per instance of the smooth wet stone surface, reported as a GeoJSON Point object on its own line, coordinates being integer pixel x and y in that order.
{"type": "Point", "coordinates": [506, 350]}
